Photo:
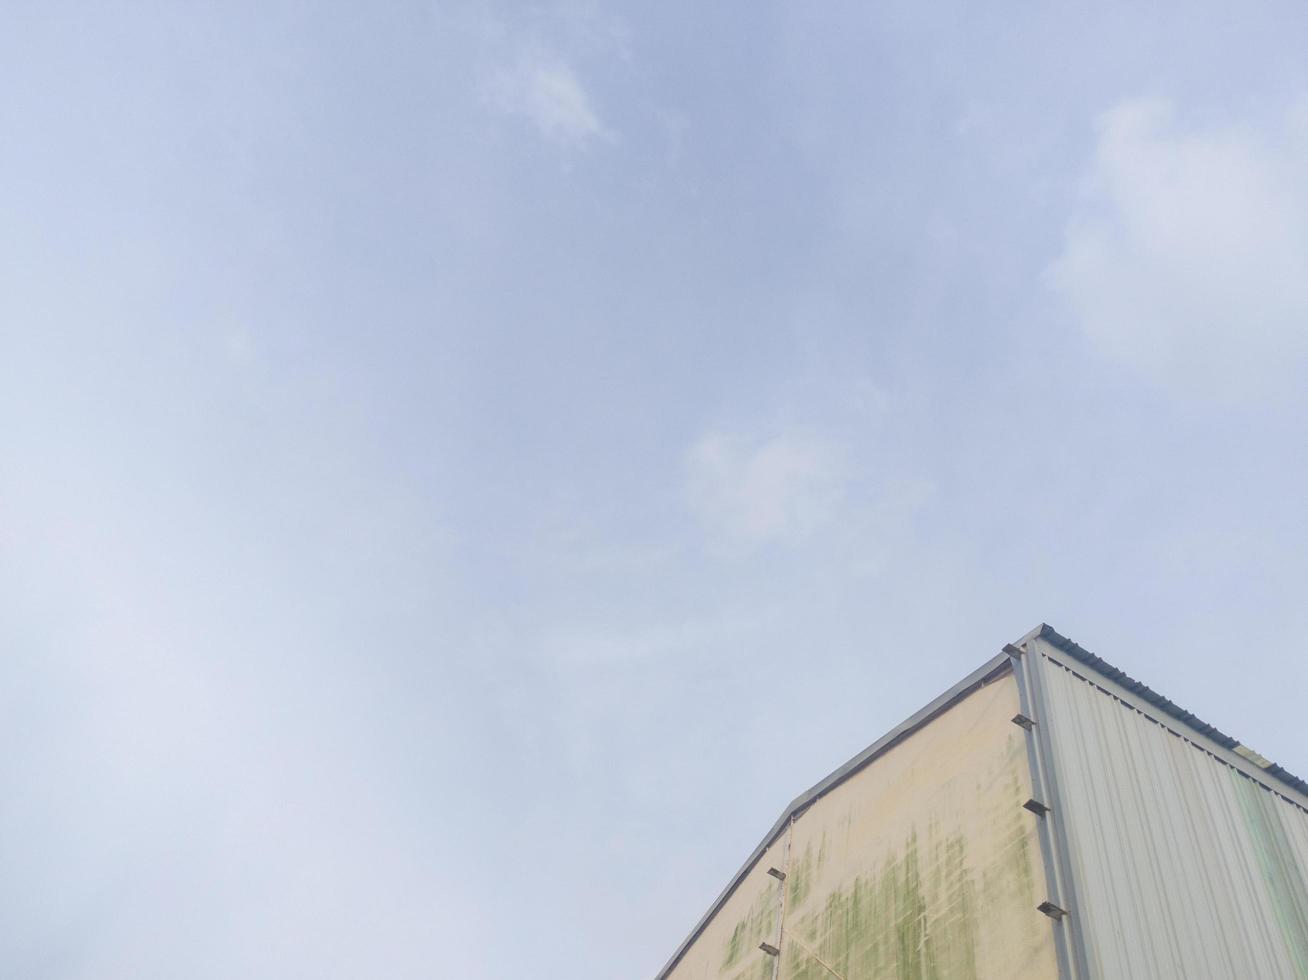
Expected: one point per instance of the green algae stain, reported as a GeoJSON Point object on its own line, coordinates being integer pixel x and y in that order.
{"type": "Point", "coordinates": [799, 880]}
{"type": "Point", "coordinates": [1276, 859]}
{"type": "Point", "coordinates": [1012, 878]}
{"type": "Point", "coordinates": [910, 918]}
{"type": "Point", "coordinates": [1019, 840]}
{"type": "Point", "coordinates": [914, 918]}
{"type": "Point", "coordinates": [749, 931]}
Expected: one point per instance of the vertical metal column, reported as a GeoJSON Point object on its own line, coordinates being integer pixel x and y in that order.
{"type": "Point", "coordinates": [1061, 904]}
{"type": "Point", "coordinates": [781, 905]}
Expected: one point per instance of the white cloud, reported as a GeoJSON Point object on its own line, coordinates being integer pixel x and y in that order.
{"type": "Point", "coordinates": [778, 490]}
{"type": "Point", "coordinates": [239, 345]}
{"type": "Point", "coordinates": [1188, 257]}
{"type": "Point", "coordinates": [544, 89]}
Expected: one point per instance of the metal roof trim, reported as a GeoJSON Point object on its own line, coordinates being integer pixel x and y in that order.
{"type": "Point", "coordinates": [1077, 652]}
{"type": "Point", "coordinates": [987, 673]}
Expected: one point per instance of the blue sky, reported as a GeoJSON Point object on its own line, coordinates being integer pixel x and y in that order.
{"type": "Point", "coordinates": [465, 467]}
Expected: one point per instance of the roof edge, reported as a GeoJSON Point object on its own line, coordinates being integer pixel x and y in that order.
{"type": "Point", "coordinates": [1079, 653]}
{"type": "Point", "coordinates": [987, 673]}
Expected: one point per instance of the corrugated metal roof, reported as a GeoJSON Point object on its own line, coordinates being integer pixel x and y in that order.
{"type": "Point", "coordinates": [1050, 635]}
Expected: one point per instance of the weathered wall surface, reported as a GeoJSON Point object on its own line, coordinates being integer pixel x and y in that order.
{"type": "Point", "coordinates": [922, 866]}
{"type": "Point", "coordinates": [728, 948]}
{"type": "Point", "coordinates": [1184, 866]}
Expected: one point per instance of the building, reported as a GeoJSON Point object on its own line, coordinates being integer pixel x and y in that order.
{"type": "Point", "coordinates": [1047, 817]}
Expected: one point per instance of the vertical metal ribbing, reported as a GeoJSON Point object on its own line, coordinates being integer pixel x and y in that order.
{"type": "Point", "coordinates": [1068, 943]}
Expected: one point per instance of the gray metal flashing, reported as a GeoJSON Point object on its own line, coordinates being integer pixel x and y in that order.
{"type": "Point", "coordinates": [1131, 692]}
{"type": "Point", "coordinates": [1029, 670]}
{"type": "Point", "coordinates": [988, 672]}
{"type": "Point", "coordinates": [1035, 765]}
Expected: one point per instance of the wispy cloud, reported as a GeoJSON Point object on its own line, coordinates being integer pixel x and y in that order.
{"type": "Point", "coordinates": [1186, 257]}
{"type": "Point", "coordinates": [543, 88]}
{"type": "Point", "coordinates": [779, 489]}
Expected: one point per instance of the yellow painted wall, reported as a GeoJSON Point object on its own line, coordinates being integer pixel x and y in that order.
{"type": "Point", "coordinates": [923, 866]}
{"type": "Point", "coordinates": [728, 948]}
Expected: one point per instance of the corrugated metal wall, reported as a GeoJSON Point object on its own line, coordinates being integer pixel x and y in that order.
{"type": "Point", "coordinates": [921, 866]}
{"type": "Point", "coordinates": [1184, 866]}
